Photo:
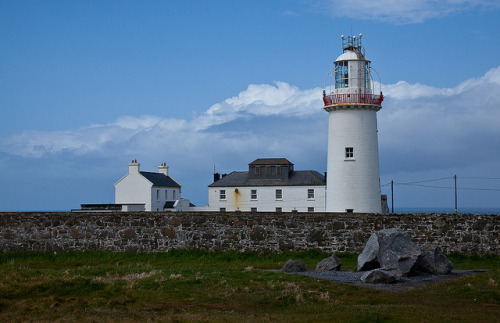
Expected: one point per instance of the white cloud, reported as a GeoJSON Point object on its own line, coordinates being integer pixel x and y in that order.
{"type": "Point", "coordinates": [419, 126]}
{"type": "Point", "coordinates": [405, 11]}
{"type": "Point", "coordinates": [134, 133]}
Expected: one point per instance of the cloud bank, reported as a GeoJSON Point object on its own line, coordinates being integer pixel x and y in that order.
{"type": "Point", "coordinates": [420, 128]}
{"type": "Point", "coordinates": [405, 11]}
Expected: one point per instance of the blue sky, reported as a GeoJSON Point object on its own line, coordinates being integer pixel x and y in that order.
{"type": "Point", "coordinates": [87, 86]}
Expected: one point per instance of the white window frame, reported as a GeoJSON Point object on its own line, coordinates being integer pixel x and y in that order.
{"type": "Point", "coordinates": [222, 195]}
{"type": "Point", "coordinates": [253, 209]}
{"type": "Point", "coordinates": [173, 195]}
{"type": "Point", "coordinates": [279, 194]}
{"type": "Point", "coordinates": [310, 209]}
{"type": "Point", "coordinates": [310, 193]}
{"type": "Point", "coordinates": [253, 195]}
{"type": "Point", "coordinates": [349, 153]}
{"type": "Point", "coordinates": [279, 209]}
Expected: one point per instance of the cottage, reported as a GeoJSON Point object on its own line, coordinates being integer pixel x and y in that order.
{"type": "Point", "coordinates": [269, 185]}
{"type": "Point", "coordinates": [147, 191]}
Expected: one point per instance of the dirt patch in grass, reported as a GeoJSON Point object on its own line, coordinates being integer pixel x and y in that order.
{"type": "Point", "coordinates": [403, 283]}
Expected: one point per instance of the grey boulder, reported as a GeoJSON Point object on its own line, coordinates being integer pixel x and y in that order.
{"type": "Point", "coordinates": [293, 266]}
{"type": "Point", "coordinates": [434, 261]}
{"type": "Point", "coordinates": [390, 248]}
{"type": "Point", "coordinates": [380, 276]}
{"type": "Point", "coordinates": [330, 263]}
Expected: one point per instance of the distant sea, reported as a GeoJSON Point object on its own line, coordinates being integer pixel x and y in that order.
{"type": "Point", "coordinates": [471, 210]}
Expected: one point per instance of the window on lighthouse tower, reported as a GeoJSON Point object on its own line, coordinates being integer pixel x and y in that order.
{"type": "Point", "coordinates": [367, 75]}
{"type": "Point", "coordinates": [349, 152]}
{"type": "Point", "coordinates": [341, 74]}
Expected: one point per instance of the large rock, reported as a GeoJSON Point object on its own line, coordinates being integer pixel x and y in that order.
{"type": "Point", "coordinates": [390, 249]}
{"type": "Point", "coordinates": [434, 261]}
{"type": "Point", "coordinates": [380, 276]}
{"type": "Point", "coordinates": [330, 263]}
{"type": "Point", "coordinates": [368, 259]}
{"type": "Point", "coordinates": [293, 266]}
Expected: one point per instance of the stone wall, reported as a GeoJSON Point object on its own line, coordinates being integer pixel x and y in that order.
{"type": "Point", "coordinates": [151, 232]}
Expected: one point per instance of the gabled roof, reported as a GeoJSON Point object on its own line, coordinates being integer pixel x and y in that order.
{"type": "Point", "coordinates": [271, 161]}
{"type": "Point", "coordinates": [297, 178]}
{"type": "Point", "coordinates": [159, 179]}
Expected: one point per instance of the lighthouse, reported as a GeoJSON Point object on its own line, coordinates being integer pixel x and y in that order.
{"type": "Point", "coordinates": [353, 181]}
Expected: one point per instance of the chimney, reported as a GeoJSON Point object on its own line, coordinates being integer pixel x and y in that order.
{"type": "Point", "coordinates": [216, 177]}
{"type": "Point", "coordinates": [163, 169]}
{"type": "Point", "coordinates": [133, 167]}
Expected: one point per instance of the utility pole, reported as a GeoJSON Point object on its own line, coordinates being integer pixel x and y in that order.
{"type": "Point", "coordinates": [455, 177]}
{"type": "Point", "coordinates": [392, 195]}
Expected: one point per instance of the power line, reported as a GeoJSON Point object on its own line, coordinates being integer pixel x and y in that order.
{"type": "Point", "coordinates": [425, 181]}
{"type": "Point", "coordinates": [479, 189]}
{"type": "Point", "coordinates": [471, 177]}
{"type": "Point", "coordinates": [432, 186]}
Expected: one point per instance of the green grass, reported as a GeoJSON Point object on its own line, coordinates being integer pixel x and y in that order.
{"type": "Point", "coordinates": [193, 285]}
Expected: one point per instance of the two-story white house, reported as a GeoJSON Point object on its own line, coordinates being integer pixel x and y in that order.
{"type": "Point", "coordinates": [269, 185]}
{"type": "Point", "coordinates": [147, 191]}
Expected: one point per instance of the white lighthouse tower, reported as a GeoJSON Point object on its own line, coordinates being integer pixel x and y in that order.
{"type": "Point", "coordinates": [353, 178]}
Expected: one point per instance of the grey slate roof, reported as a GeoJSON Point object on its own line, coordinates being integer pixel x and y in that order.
{"type": "Point", "coordinates": [159, 179]}
{"type": "Point", "coordinates": [169, 205]}
{"type": "Point", "coordinates": [271, 161]}
{"type": "Point", "coordinates": [297, 178]}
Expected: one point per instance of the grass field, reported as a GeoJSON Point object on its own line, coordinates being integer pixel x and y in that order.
{"type": "Point", "coordinates": [195, 285]}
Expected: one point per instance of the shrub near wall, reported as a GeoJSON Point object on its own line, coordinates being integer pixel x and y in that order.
{"type": "Point", "coordinates": [162, 231]}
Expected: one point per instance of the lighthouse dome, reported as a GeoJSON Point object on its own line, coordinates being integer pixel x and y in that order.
{"type": "Point", "coordinates": [350, 55]}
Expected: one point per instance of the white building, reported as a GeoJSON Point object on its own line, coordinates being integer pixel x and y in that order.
{"type": "Point", "coordinates": [147, 191]}
{"type": "Point", "coordinates": [353, 183]}
{"type": "Point", "coordinates": [269, 185]}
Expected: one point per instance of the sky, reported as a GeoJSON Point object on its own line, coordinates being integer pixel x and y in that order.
{"type": "Point", "coordinates": [87, 86]}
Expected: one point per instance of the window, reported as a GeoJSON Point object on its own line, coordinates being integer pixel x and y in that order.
{"type": "Point", "coordinates": [268, 170]}
{"type": "Point", "coordinates": [367, 75]}
{"type": "Point", "coordinates": [257, 170]}
{"type": "Point", "coordinates": [341, 74]}
{"type": "Point", "coordinates": [157, 195]}
{"type": "Point", "coordinates": [279, 210]}
{"type": "Point", "coordinates": [278, 169]}
{"type": "Point", "coordinates": [310, 209]}
{"type": "Point", "coordinates": [349, 152]}
{"type": "Point", "coordinates": [223, 209]}
{"type": "Point", "coordinates": [173, 195]}
{"type": "Point", "coordinates": [222, 194]}
{"type": "Point", "coordinates": [253, 209]}
{"type": "Point", "coordinates": [349, 210]}
{"type": "Point", "coordinates": [279, 194]}
{"type": "Point", "coordinates": [310, 193]}
{"type": "Point", "coordinates": [253, 194]}
{"type": "Point", "coordinates": [166, 195]}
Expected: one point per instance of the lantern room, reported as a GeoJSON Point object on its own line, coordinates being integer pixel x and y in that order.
{"type": "Point", "coordinates": [351, 80]}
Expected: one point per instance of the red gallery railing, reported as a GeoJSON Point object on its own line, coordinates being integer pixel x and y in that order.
{"type": "Point", "coordinates": [338, 99]}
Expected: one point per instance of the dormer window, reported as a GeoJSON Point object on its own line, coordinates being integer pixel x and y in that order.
{"type": "Point", "coordinates": [257, 170]}
{"type": "Point", "coordinates": [278, 169]}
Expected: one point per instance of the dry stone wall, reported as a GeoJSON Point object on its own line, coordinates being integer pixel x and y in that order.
{"type": "Point", "coordinates": [153, 232]}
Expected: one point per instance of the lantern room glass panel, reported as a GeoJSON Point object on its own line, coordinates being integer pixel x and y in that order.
{"type": "Point", "coordinates": [341, 74]}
